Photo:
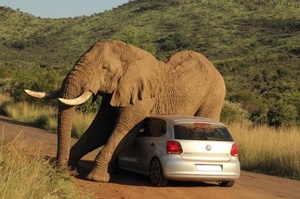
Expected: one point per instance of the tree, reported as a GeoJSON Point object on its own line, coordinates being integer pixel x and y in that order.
{"type": "Point", "coordinates": [282, 114]}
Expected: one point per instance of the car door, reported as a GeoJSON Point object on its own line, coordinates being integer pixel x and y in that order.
{"type": "Point", "coordinates": [137, 158]}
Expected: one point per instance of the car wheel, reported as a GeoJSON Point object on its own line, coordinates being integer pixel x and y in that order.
{"type": "Point", "coordinates": [156, 174]}
{"type": "Point", "coordinates": [227, 183]}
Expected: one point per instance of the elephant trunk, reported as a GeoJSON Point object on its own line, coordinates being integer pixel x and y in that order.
{"type": "Point", "coordinates": [64, 127]}
{"type": "Point", "coordinates": [71, 88]}
{"type": "Point", "coordinates": [79, 82]}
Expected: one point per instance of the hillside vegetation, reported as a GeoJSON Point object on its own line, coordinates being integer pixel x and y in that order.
{"type": "Point", "coordinates": [254, 44]}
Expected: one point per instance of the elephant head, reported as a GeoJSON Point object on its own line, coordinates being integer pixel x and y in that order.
{"type": "Point", "coordinates": [123, 72]}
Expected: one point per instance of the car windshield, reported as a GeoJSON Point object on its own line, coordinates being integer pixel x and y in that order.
{"type": "Point", "coordinates": [201, 131]}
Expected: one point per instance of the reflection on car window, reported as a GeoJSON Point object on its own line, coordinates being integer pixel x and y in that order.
{"type": "Point", "coordinates": [190, 131]}
{"type": "Point", "coordinates": [153, 127]}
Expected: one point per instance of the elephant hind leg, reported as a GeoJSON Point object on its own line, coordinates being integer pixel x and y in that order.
{"type": "Point", "coordinates": [211, 109]}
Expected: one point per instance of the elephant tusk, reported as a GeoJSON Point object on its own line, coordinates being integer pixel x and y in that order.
{"type": "Point", "coordinates": [43, 95]}
{"type": "Point", "coordinates": [77, 101]}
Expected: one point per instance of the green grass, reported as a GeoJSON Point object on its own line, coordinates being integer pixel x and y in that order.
{"type": "Point", "coordinates": [26, 174]}
{"type": "Point", "coordinates": [254, 44]}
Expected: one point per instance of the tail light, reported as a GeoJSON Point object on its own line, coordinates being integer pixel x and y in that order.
{"type": "Point", "coordinates": [173, 147]}
{"type": "Point", "coordinates": [234, 150]}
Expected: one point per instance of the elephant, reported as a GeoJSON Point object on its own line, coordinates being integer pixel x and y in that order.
{"type": "Point", "coordinates": [133, 84]}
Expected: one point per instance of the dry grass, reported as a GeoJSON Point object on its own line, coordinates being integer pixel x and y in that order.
{"type": "Point", "coordinates": [262, 149]}
{"type": "Point", "coordinates": [46, 117]}
{"type": "Point", "coordinates": [26, 174]}
{"type": "Point", "coordinates": [43, 117]}
{"type": "Point", "coordinates": [268, 150]}
{"type": "Point", "coordinates": [81, 122]}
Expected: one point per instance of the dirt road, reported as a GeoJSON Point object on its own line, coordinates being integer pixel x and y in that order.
{"type": "Point", "coordinates": [130, 186]}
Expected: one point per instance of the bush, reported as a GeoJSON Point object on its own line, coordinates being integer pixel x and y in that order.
{"type": "Point", "coordinates": [91, 106]}
{"type": "Point", "coordinates": [43, 80]}
{"type": "Point", "coordinates": [173, 41]}
{"type": "Point", "coordinates": [286, 109]}
{"type": "Point", "coordinates": [233, 112]}
{"type": "Point", "coordinates": [282, 114]}
{"type": "Point", "coordinates": [5, 72]}
{"type": "Point", "coordinates": [20, 45]}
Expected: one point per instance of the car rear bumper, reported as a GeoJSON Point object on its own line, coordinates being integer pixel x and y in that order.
{"type": "Point", "coordinates": [181, 170]}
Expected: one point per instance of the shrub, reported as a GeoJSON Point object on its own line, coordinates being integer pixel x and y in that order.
{"type": "Point", "coordinates": [44, 80]}
{"type": "Point", "coordinates": [282, 114]}
{"type": "Point", "coordinates": [20, 45]}
{"type": "Point", "coordinates": [168, 45]}
{"type": "Point", "coordinates": [5, 72]}
{"type": "Point", "coordinates": [233, 112]}
{"type": "Point", "coordinates": [91, 106]}
{"type": "Point", "coordinates": [173, 41]}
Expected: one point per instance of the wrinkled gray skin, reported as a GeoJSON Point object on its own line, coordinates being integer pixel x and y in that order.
{"type": "Point", "coordinates": [133, 85]}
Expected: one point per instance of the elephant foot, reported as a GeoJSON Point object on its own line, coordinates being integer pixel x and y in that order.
{"type": "Point", "coordinates": [73, 167]}
{"type": "Point", "coordinates": [73, 171]}
{"type": "Point", "coordinates": [99, 175]}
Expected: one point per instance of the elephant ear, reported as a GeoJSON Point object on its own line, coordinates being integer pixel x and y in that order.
{"type": "Point", "coordinates": [141, 80]}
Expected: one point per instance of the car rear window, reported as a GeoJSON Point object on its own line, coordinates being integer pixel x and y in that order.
{"type": "Point", "coordinates": [201, 131]}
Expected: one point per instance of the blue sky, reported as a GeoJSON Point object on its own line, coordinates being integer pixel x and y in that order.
{"type": "Point", "coordinates": [62, 8]}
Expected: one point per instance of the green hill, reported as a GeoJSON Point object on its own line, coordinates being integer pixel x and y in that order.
{"type": "Point", "coordinates": [255, 45]}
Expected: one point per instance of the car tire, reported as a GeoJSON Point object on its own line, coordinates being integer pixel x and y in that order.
{"type": "Point", "coordinates": [156, 174]}
{"type": "Point", "coordinates": [227, 183]}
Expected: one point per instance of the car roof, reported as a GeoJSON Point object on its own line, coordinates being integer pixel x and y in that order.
{"type": "Point", "coordinates": [185, 118]}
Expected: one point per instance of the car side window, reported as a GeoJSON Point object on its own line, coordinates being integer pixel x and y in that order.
{"type": "Point", "coordinates": [153, 127]}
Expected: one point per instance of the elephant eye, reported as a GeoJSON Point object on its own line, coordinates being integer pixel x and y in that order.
{"type": "Point", "coordinates": [106, 67]}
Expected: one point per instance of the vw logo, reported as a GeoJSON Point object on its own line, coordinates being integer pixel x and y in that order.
{"type": "Point", "coordinates": [208, 147]}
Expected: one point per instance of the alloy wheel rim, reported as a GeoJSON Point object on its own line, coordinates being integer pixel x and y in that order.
{"type": "Point", "coordinates": [155, 171]}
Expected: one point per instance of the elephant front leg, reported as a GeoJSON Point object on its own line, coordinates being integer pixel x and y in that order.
{"type": "Point", "coordinates": [87, 143]}
{"type": "Point", "coordinates": [94, 137]}
{"type": "Point", "coordinates": [100, 171]}
{"type": "Point", "coordinates": [122, 136]}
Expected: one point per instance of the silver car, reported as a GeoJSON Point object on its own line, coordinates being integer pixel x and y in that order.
{"type": "Point", "coordinates": [183, 148]}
